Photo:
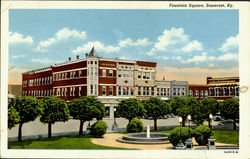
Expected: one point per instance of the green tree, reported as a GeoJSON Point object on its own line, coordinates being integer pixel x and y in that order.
{"type": "Point", "coordinates": [209, 106]}
{"type": "Point", "coordinates": [155, 108]}
{"type": "Point", "coordinates": [230, 110]}
{"type": "Point", "coordinates": [13, 115]}
{"type": "Point", "coordinates": [130, 108]}
{"type": "Point", "coordinates": [28, 109]}
{"type": "Point", "coordinates": [85, 109]}
{"type": "Point", "coordinates": [175, 103]}
{"type": "Point", "coordinates": [54, 110]}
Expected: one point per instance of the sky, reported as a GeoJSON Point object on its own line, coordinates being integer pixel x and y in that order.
{"type": "Point", "coordinates": [188, 45]}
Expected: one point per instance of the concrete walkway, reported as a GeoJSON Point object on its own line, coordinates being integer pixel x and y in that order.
{"type": "Point", "coordinates": [110, 140]}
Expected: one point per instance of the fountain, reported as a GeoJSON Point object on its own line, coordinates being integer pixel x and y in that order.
{"type": "Point", "coordinates": [145, 138]}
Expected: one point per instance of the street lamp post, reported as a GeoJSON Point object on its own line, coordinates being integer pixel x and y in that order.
{"type": "Point", "coordinates": [211, 120]}
{"type": "Point", "coordinates": [189, 120]}
{"type": "Point", "coordinates": [114, 116]}
{"type": "Point", "coordinates": [180, 120]}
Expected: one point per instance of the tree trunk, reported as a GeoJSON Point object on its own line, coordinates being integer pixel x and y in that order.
{"type": "Point", "coordinates": [20, 132]}
{"type": "Point", "coordinates": [81, 127]}
{"type": "Point", "coordinates": [183, 123]}
{"type": "Point", "coordinates": [155, 123]}
{"type": "Point", "coordinates": [234, 125]}
{"type": "Point", "coordinates": [49, 131]}
{"type": "Point", "coordinates": [209, 123]}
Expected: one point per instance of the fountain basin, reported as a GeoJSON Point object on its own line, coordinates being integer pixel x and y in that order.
{"type": "Point", "coordinates": [141, 138]}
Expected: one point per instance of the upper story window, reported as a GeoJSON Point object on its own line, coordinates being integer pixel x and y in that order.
{"type": "Point", "coordinates": [231, 92]}
{"type": "Point", "coordinates": [152, 75]}
{"type": "Point", "coordinates": [80, 73]}
{"type": "Point", "coordinates": [91, 71]}
{"type": "Point", "coordinates": [96, 62]}
{"type": "Point", "coordinates": [206, 93]}
{"type": "Point", "coordinates": [162, 90]}
{"type": "Point", "coordinates": [183, 91]}
{"type": "Point", "coordinates": [139, 90]}
{"type": "Point", "coordinates": [58, 91]}
{"type": "Point", "coordinates": [201, 94]}
{"type": "Point", "coordinates": [174, 91]}
{"type": "Point", "coordinates": [91, 62]}
{"type": "Point", "coordinates": [125, 90]}
{"type": "Point", "coordinates": [104, 90]}
{"type": "Point", "coordinates": [210, 91]}
{"type": "Point", "coordinates": [62, 76]}
{"type": "Point", "coordinates": [59, 76]}
{"type": "Point", "coordinates": [139, 74]}
{"type": "Point", "coordinates": [80, 91]}
{"type": "Point", "coordinates": [91, 89]}
{"type": "Point", "coordinates": [152, 91]}
{"type": "Point", "coordinates": [225, 91]}
{"type": "Point", "coordinates": [110, 73]}
{"type": "Point", "coordinates": [104, 73]}
{"type": "Point", "coordinates": [236, 91]}
{"type": "Point", "coordinates": [71, 74]}
{"type": "Point", "coordinates": [178, 91]}
{"type": "Point", "coordinates": [96, 70]}
{"type": "Point", "coordinates": [144, 90]}
{"type": "Point", "coordinates": [217, 92]}
{"type": "Point", "coordinates": [110, 90]}
{"type": "Point", "coordinates": [168, 91]}
{"type": "Point", "coordinates": [196, 94]}
{"type": "Point", "coordinates": [31, 82]}
{"type": "Point", "coordinates": [119, 90]}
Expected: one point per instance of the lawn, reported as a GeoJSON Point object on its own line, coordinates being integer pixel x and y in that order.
{"type": "Point", "coordinates": [63, 142]}
{"type": "Point", "coordinates": [227, 136]}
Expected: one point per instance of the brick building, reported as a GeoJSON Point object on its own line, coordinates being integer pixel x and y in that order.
{"type": "Point", "coordinates": [222, 88]}
{"type": "Point", "coordinates": [198, 91]}
{"type": "Point", "coordinates": [109, 80]}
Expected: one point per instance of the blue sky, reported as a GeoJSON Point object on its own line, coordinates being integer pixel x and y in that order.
{"type": "Point", "coordinates": [175, 39]}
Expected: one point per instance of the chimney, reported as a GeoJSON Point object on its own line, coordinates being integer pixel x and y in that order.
{"type": "Point", "coordinates": [69, 58]}
{"type": "Point", "coordinates": [86, 55]}
{"type": "Point", "coordinates": [77, 57]}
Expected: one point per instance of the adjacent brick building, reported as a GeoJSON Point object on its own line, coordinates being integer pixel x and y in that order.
{"type": "Point", "coordinates": [198, 91]}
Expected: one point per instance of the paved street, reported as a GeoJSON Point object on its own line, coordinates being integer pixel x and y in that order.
{"type": "Point", "coordinates": [36, 129]}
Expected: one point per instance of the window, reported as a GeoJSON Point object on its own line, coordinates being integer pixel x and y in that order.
{"type": "Point", "coordinates": [139, 74]}
{"type": "Point", "coordinates": [62, 91]}
{"type": "Point", "coordinates": [74, 74]}
{"type": "Point", "coordinates": [104, 73]}
{"type": "Point", "coordinates": [96, 62]}
{"type": "Point", "coordinates": [225, 91]}
{"type": "Point", "coordinates": [62, 76]}
{"type": "Point", "coordinates": [66, 75]}
{"type": "Point", "coordinates": [110, 73]}
{"type": "Point", "coordinates": [201, 94]}
{"type": "Point", "coordinates": [210, 91]}
{"type": "Point", "coordinates": [80, 89]}
{"type": "Point", "coordinates": [174, 91]}
{"type": "Point", "coordinates": [231, 91]}
{"type": "Point", "coordinates": [54, 77]}
{"type": "Point", "coordinates": [110, 90]}
{"type": "Point", "coordinates": [206, 93]}
{"type": "Point", "coordinates": [158, 91]}
{"type": "Point", "coordinates": [144, 75]}
{"type": "Point", "coordinates": [237, 91]}
{"type": "Point", "coordinates": [139, 91]}
{"type": "Point", "coordinates": [190, 93]}
{"type": "Point", "coordinates": [178, 91]}
{"type": "Point", "coordinates": [95, 89]}
{"type": "Point", "coordinates": [119, 90]}
{"type": "Point", "coordinates": [66, 90]}
{"type": "Point", "coordinates": [125, 91]}
{"type": "Point", "coordinates": [104, 90]}
{"type": "Point", "coordinates": [59, 76]}
{"type": "Point", "coordinates": [119, 75]}
{"type": "Point", "coordinates": [152, 91]}
{"type": "Point", "coordinates": [183, 91]}
{"type": "Point", "coordinates": [31, 82]}
{"type": "Point", "coordinates": [91, 89]}
{"type": "Point", "coordinates": [91, 62]}
{"type": "Point", "coordinates": [96, 70]}
{"type": "Point", "coordinates": [91, 71]}
{"type": "Point", "coordinates": [71, 74]}
{"type": "Point", "coordinates": [196, 94]}
{"type": "Point", "coordinates": [144, 90]}
{"type": "Point", "coordinates": [80, 73]}
{"type": "Point", "coordinates": [73, 91]}
{"type": "Point", "coordinates": [50, 79]}
{"type": "Point", "coordinates": [162, 91]}
{"type": "Point", "coordinates": [58, 91]}
{"type": "Point", "coordinates": [217, 92]}
{"type": "Point", "coordinates": [168, 91]}
{"type": "Point", "coordinates": [147, 75]}
{"type": "Point", "coordinates": [132, 91]}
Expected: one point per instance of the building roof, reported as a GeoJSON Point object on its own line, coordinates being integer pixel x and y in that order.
{"type": "Point", "coordinates": [93, 52]}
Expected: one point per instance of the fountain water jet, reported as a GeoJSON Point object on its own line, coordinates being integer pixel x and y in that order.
{"type": "Point", "coordinates": [148, 132]}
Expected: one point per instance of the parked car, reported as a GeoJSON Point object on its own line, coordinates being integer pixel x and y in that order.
{"type": "Point", "coordinates": [217, 118]}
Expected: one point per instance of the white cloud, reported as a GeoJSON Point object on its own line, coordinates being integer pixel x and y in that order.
{"type": "Point", "coordinates": [19, 38]}
{"type": "Point", "coordinates": [162, 57]}
{"type": "Point", "coordinates": [198, 59]}
{"type": "Point", "coordinates": [192, 46]}
{"type": "Point", "coordinates": [130, 42]}
{"type": "Point", "coordinates": [211, 65]}
{"type": "Point", "coordinates": [43, 61]}
{"type": "Point", "coordinates": [228, 57]}
{"type": "Point", "coordinates": [124, 58]}
{"type": "Point", "coordinates": [230, 44]}
{"type": "Point", "coordinates": [62, 34]}
{"type": "Point", "coordinates": [65, 33]}
{"type": "Point", "coordinates": [18, 56]}
{"type": "Point", "coordinates": [98, 46]}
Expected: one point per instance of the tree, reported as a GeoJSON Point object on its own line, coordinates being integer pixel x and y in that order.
{"type": "Point", "coordinates": [209, 106]}
{"type": "Point", "coordinates": [155, 108]}
{"type": "Point", "coordinates": [130, 108]}
{"type": "Point", "coordinates": [85, 109]}
{"type": "Point", "coordinates": [28, 109]}
{"type": "Point", "coordinates": [230, 110]}
{"type": "Point", "coordinates": [54, 110]}
{"type": "Point", "coordinates": [175, 103]}
{"type": "Point", "coordinates": [13, 115]}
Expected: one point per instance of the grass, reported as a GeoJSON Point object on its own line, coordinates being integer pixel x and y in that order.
{"type": "Point", "coordinates": [62, 142]}
{"type": "Point", "coordinates": [227, 136]}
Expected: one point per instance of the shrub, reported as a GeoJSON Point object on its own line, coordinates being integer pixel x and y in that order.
{"type": "Point", "coordinates": [98, 129]}
{"type": "Point", "coordinates": [135, 125]}
{"type": "Point", "coordinates": [202, 133]}
{"type": "Point", "coordinates": [174, 136]}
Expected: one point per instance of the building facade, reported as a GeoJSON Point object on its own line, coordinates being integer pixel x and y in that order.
{"type": "Point", "coordinates": [222, 88]}
{"type": "Point", "coordinates": [198, 91]}
{"type": "Point", "coordinates": [163, 89]}
{"type": "Point", "coordinates": [178, 88]}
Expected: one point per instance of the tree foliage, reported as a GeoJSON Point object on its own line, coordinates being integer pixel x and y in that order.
{"type": "Point", "coordinates": [28, 109]}
{"type": "Point", "coordinates": [135, 125]}
{"type": "Point", "coordinates": [98, 129]}
{"type": "Point", "coordinates": [180, 134]}
{"type": "Point", "coordinates": [85, 109]}
{"type": "Point", "coordinates": [230, 110]}
{"type": "Point", "coordinates": [13, 115]}
{"type": "Point", "coordinates": [130, 108]}
{"type": "Point", "coordinates": [202, 133]}
{"type": "Point", "coordinates": [54, 109]}
{"type": "Point", "coordinates": [175, 103]}
{"type": "Point", "coordinates": [155, 108]}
